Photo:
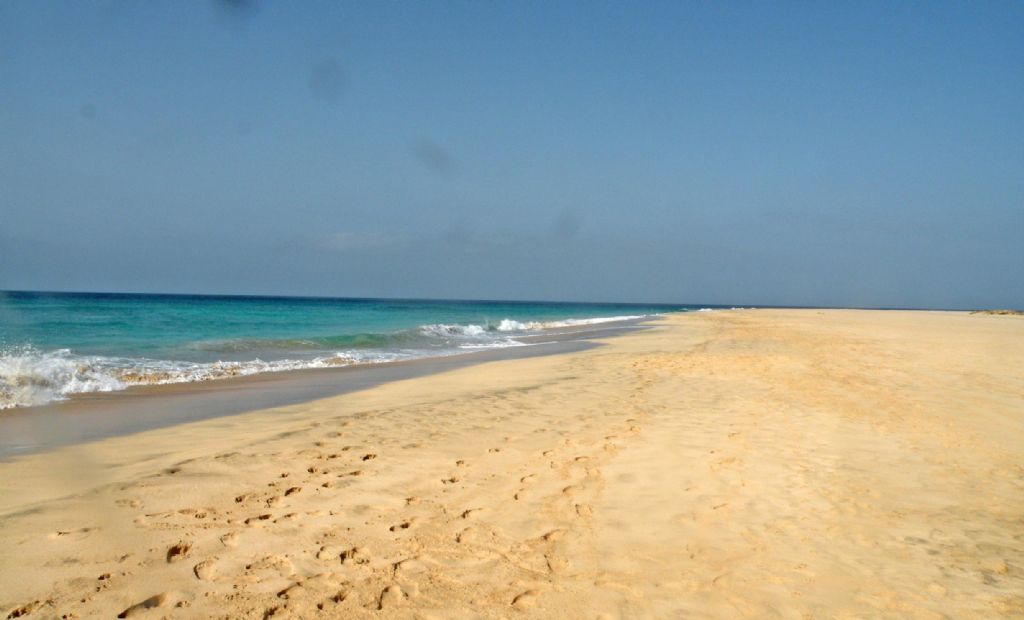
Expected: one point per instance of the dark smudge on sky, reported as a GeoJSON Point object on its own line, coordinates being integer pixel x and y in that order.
{"type": "Point", "coordinates": [433, 157]}
{"type": "Point", "coordinates": [327, 81]}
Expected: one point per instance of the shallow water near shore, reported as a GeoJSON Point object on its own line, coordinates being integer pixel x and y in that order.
{"type": "Point", "coordinates": [55, 345]}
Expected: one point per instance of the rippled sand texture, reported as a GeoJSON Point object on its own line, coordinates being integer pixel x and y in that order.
{"type": "Point", "coordinates": [845, 464]}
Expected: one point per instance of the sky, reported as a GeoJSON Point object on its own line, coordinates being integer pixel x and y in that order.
{"type": "Point", "coordinates": [828, 154]}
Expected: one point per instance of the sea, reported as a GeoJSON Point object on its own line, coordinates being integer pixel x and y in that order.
{"type": "Point", "coordinates": [55, 345]}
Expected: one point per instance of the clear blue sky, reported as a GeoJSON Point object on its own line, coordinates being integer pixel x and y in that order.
{"type": "Point", "coordinates": [860, 153]}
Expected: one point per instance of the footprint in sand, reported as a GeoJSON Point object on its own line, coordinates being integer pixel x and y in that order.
{"type": "Point", "coordinates": [390, 597]}
{"type": "Point", "coordinates": [410, 567]}
{"type": "Point", "coordinates": [355, 555]}
{"type": "Point", "coordinates": [251, 521]}
{"type": "Point", "coordinates": [278, 564]}
{"type": "Point", "coordinates": [179, 551]}
{"type": "Point", "coordinates": [205, 570]}
{"type": "Point", "coordinates": [337, 599]}
{"type": "Point", "coordinates": [401, 526]}
{"type": "Point", "coordinates": [293, 591]}
{"type": "Point", "coordinates": [164, 599]}
{"type": "Point", "coordinates": [24, 610]}
{"type": "Point", "coordinates": [556, 564]}
{"type": "Point", "coordinates": [526, 599]}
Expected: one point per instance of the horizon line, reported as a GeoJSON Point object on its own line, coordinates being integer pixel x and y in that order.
{"type": "Point", "coordinates": [466, 300]}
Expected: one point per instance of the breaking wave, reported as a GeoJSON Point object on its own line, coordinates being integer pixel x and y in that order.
{"type": "Point", "coordinates": [30, 377]}
{"type": "Point", "coordinates": [509, 325]}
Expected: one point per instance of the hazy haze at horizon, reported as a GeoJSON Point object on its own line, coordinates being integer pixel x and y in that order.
{"type": "Point", "coordinates": [857, 154]}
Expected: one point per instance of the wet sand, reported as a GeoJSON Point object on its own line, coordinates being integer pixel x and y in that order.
{"type": "Point", "coordinates": [767, 463]}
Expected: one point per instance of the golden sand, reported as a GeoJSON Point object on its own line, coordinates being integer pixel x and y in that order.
{"type": "Point", "coordinates": [767, 463]}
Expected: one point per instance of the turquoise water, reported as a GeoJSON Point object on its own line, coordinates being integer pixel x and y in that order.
{"type": "Point", "coordinates": [56, 344]}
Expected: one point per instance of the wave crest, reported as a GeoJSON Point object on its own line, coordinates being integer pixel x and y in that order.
{"type": "Point", "coordinates": [30, 377]}
{"type": "Point", "coordinates": [511, 325]}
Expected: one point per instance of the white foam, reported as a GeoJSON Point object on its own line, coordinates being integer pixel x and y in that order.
{"type": "Point", "coordinates": [499, 344]}
{"type": "Point", "coordinates": [445, 330]}
{"type": "Point", "coordinates": [508, 325]}
{"type": "Point", "coordinates": [512, 325]}
{"type": "Point", "coordinates": [29, 377]}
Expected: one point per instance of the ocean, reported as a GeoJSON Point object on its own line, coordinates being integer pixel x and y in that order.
{"type": "Point", "coordinates": [54, 345]}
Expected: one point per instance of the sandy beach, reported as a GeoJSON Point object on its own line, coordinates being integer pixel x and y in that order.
{"type": "Point", "coordinates": [754, 463]}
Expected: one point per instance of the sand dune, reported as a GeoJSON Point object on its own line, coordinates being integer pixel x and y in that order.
{"type": "Point", "coordinates": [769, 463]}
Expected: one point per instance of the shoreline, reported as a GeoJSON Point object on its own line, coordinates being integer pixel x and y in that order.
{"type": "Point", "coordinates": [756, 463]}
{"type": "Point", "coordinates": [92, 416]}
